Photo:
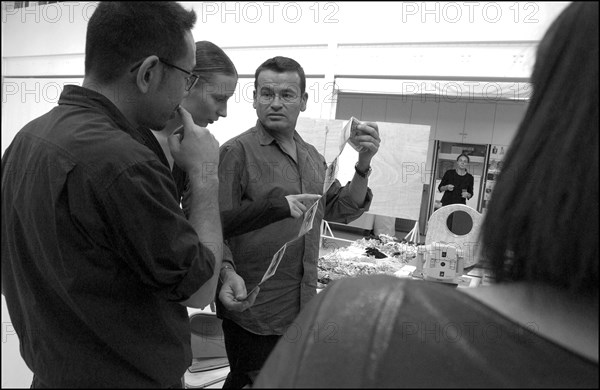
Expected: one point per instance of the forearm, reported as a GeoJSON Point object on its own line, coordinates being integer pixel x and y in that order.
{"type": "Point", "coordinates": [359, 185]}
{"type": "Point", "coordinates": [204, 216]}
{"type": "Point", "coordinates": [256, 215]}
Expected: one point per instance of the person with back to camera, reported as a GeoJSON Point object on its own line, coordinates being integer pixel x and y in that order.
{"type": "Point", "coordinates": [271, 159]}
{"type": "Point", "coordinates": [537, 326]}
{"type": "Point", "coordinates": [98, 260]}
{"type": "Point", "coordinates": [457, 184]}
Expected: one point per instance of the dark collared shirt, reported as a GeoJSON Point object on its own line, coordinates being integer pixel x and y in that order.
{"type": "Point", "coordinates": [96, 252]}
{"type": "Point", "coordinates": [235, 221]}
{"type": "Point", "coordinates": [254, 167]}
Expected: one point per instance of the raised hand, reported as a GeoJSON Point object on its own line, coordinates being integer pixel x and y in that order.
{"type": "Point", "coordinates": [194, 147]}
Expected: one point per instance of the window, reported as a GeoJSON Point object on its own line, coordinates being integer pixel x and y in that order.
{"type": "Point", "coordinates": [25, 4]}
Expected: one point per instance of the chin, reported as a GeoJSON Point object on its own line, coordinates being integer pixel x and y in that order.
{"type": "Point", "coordinates": [277, 124]}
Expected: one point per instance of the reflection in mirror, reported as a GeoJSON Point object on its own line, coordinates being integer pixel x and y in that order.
{"type": "Point", "coordinates": [459, 222]}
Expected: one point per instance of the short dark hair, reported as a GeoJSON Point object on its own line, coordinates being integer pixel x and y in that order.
{"type": "Point", "coordinates": [280, 65]}
{"type": "Point", "coordinates": [211, 59]}
{"type": "Point", "coordinates": [121, 33]}
{"type": "Point", "coordinates": [542, 221]}
{"type": "Point", "coordinates": [463, 155]}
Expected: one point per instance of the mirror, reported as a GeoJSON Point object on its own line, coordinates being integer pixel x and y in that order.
{"type": "Point", "coordinates": [459, 223]}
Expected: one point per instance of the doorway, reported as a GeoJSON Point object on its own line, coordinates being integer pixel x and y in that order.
{"type": "Point", "coordinates": [445, 155]}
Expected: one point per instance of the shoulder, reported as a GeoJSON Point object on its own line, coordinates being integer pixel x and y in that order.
{"type": "Point", "coordinates": [240, 141]}
{"type": "Point", "coordinates": [89, 138]}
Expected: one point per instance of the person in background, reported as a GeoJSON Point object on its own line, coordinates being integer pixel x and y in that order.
{"type": "Point", "coordinates": [457, 184]}
{"type": "Point", "coordinates": [271, 159]}
{"type": "Point", "coordinates": [207, 102]}
{"type": "Point", "coordinates": [98, 260]}
{"type": "Point", "coordinates": [538, 325]}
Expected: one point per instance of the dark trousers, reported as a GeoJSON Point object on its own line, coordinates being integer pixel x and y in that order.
{"type": "Point", "coordinates": [247, 353]}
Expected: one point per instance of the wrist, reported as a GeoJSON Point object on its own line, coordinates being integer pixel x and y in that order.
{"type": "Point", "coordinates": [226, 269]}
{"type": "Point", "coordinates": [203, 180]}
{"type": "Point", "coordinates": [363, 170]}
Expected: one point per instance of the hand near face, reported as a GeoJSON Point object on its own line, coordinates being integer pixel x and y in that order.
{"type": "Point", "coordinates": [299, 203]}
{"type": "Point", "coordinates": [193, 147]}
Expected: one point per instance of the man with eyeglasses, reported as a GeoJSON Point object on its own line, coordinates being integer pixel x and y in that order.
{"type": "Point", "coordinates": [190, 81]}
{"type": "Point", "coordinates": [267, 160]}
{"type": "Point", "coordinates": [98, 259]}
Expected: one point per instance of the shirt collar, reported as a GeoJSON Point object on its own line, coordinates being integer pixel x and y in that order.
{"type": "Point", "coordinates": [83, 97]}
{"type": "Point", "coordinates": [266, 139]}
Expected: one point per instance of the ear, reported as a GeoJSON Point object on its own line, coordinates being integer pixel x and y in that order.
{"type": "Point", "coordinates": [304, 100]}
{"type": "Point", "coordinates": [254, 99]}
{"type": "Point", "coordinates": [148, 75]}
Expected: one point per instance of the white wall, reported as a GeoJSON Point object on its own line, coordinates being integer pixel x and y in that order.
{"type": "Point", "coordinates": [364, 44]}
{"type": "Point", "coordinates": [450, 40]}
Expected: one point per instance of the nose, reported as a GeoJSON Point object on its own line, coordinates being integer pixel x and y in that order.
{"type": "Point", "coordinates": [276, 102]}
{"type": "Point", "coordinates": [222, 112]}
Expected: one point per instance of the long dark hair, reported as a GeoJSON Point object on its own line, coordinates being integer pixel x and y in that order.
{"type": "Point", "coordinates": [542, 220]}
{"type": "Point", "coordinates": [121, 33]}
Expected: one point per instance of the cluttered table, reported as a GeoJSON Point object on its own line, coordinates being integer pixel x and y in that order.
{"type": "Point", "coordinates": [450, 254]}
{"type": "Point", "coordinates": [385, 254]}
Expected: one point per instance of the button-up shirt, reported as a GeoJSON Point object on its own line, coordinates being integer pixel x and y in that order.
{"type": "Point", "coordinates": [253, 166]}
{"type": "Point", "coordinates": [96, 252]}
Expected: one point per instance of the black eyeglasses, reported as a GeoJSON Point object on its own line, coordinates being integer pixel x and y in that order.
{"type": "Point", "coordinates": [190, 81]}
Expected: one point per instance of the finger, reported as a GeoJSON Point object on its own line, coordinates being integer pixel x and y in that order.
{"type": "Point", "coordinates": [370, 146]}
{"type": "Point", "coordinates": [373, 125]}
{"type": "Point", "coordinates": [178, 131]}
{"type": "Point", "coordinates": [300, 207]}
{"type": "Point", "coordinates": [174, 140]}
{"type": "Point", "coordinates": [296, 213]}
{"type": "Point", "coordinates": [186, 119]}
{"type": "Point", "coordinates": [368, 138]}
{"type": "Point", "coordinates": [237, 288]}
{"type": "Point", "coordinates": [240, 295]}
{"type": "Point", "coordinates": [308, 197]}
{"type": "Point", "coordinates": [252, 297]}
{"type": "Point", "coordinates": [369, 128]}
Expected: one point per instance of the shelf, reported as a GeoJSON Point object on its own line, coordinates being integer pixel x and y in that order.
{"type": "Point", "coordinates": [454, 156]}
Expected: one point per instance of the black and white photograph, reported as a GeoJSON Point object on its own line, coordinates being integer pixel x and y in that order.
{"type": "Point", "coordinates": [299, 194]}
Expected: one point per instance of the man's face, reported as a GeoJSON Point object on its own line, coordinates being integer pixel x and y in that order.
{"type": "Point", "coordinates": [278, 100]}
{"type": "Point", "coordinates": [172, 89]}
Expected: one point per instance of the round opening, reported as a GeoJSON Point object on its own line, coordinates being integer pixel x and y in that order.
{"type": "Point", "coordinates": [459, 222]}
